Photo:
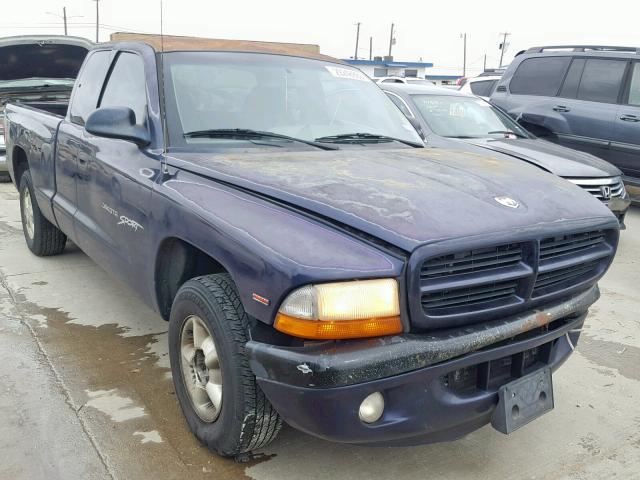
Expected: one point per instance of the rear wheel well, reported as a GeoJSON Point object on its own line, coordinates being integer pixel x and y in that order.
{"type": "Point", "coordinates": [177, 262]}
{"type": "Point", "coordinates": [20, 164]}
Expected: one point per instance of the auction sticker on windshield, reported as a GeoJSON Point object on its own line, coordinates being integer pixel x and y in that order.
{"type": "Point", "coordinates": [348, 73]}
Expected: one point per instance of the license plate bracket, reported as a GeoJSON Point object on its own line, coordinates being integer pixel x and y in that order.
{"type": "Point", "coordinates": [523, 400]}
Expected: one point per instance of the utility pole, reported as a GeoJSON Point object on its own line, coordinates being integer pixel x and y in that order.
{"type": "Point", "coordinates": [464, 55]}
{"type": "Point", "coordinates": [391, 39]}
{"type": "Point", "coordinates": [64, 18]}
{"type": "Point", "coordinates": [97, 20]}
{"type": "Point", "coordinates": [370, 48]}
{"type": "Point", "coordinates": [484, 65]}
{"type": "Point", "coordinates": [503, 46]}
{"type": "Point", "coordinates": [355, 55]}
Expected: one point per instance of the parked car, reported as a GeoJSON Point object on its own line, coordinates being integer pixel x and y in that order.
{"type": "Point", "coordinates": [30, 70]}
{"type": "Point", "coordinates": [454, 119]}
{"type": "Point", "coordinates": [403, 80]}
{"type": "Point", "coordinates": [584, 97]}
{"type": "Point", "coordinates": [480, 86]}
{"type": "Point", "coordinates": [315, 262]}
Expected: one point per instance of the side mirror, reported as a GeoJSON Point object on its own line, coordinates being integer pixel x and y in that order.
{"type": "Point", "coordinates": [415, 123]}
{"type": "Point", "coordinates": [117, 122]}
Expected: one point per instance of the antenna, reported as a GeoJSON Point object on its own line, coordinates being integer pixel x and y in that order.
{"type": "Point", "coordinates": [163, 117]}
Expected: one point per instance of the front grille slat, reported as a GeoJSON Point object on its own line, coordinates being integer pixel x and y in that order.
{"type": "Point", "coordinates": [469, 295]}
{"type": "Point", "coordinates": [472, 261]}
{"type": "Point", "coordinates": [551, 248]}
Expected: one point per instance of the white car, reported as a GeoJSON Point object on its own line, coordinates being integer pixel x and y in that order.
{"type": "Point", "coordinates": [482, 86]}
{"type": "Point", "coordinates": [405, 80]}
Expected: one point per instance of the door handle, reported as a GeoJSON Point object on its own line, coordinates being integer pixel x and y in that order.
{"type": "Point", "coordinates": [561, 108]}
{"type": "Point", "coordinates": [630, 118]}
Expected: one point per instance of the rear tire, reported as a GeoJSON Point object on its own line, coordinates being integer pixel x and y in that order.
{"type": "Point", "coordinates": [43, 237]}
{"type": "Point", "coordinates": [218, 393]}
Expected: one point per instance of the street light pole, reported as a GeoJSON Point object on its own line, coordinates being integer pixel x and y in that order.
{"type": "Point", "coordinates": [97, 20]}
{"type": "Point", "coordinates": [391, 39]}
{"type": "Point", "coordinates": [464, 55]}
{"type": "Point", "coordinates": [355, 56]}
{"type": "Point", "coordinates": [64, 18]}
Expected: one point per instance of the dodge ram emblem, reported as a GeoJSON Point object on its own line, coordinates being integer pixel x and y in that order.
{"type": "Point", "coordinates": [507, 202]}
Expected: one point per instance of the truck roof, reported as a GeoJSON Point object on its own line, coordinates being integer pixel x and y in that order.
{"type": "Point", "coordinates": [173, 43]}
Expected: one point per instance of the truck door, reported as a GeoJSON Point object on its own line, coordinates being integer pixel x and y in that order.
{"type": "Point", "coordinates": [83, 102]}
{"type": "Point", "coordinates": [625, 144]}
{"type": "Point", "coordinates": [115, 179]}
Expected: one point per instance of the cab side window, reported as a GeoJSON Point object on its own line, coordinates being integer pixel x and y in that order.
{"type": "Point", "coordinates": [88, 85]}
{"type": "Point", "coordinates": [634, 92]}
{"type": "Point", "coordinates": [126, 86]}
{"type": "Point", "coordinates": [601, 80]}
{"type": "Point", "coordinates": [539, 76]}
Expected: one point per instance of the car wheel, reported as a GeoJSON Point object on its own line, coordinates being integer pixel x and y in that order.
{"type": "Point", "coordinates": [43, 237]}
{"type": "Point", "coordinates": [218, 393]}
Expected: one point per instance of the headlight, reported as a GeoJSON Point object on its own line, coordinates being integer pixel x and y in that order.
{"type": "Point", "coordinates": [357, 309]}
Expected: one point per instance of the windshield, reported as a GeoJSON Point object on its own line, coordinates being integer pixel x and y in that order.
{"type": "Point", "coordinates": [298, 97]}
{"type": "Point", "coordinates": [37, 82]}
{"type": "Point", "coordinates": [464, 117]}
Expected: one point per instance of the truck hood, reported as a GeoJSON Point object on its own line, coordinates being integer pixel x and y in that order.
{"type": "Point", "coordinates": [50, 57]}
{"type": "Point", "coordinates": [561, 161]}
{"type": "Point", "coordinates": [405, 197]}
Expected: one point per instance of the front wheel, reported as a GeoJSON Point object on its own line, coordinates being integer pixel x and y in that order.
{"type": "Point", "coordinates": [43, 237]}
{"type": "Point", "coordinates": [218, 393]}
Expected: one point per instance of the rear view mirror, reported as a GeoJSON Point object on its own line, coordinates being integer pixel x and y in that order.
{"type": "Point", "coordinates": [117, 122]}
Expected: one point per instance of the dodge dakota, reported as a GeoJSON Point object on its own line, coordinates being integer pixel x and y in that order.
{"type": "Point", "coordinates": [316, 263]}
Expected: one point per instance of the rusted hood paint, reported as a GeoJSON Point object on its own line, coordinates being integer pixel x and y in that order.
{"type": "Point", "coordinates": [406, 197]}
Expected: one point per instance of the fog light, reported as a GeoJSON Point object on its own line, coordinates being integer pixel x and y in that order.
{"type": "Point", "coordinates": [371, 408]}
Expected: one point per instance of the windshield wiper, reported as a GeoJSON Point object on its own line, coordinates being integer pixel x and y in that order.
{"type": "Point", "coordinates": [358, 137]}
{"type": "Point", "coordinates": [507, 132]}
{"type": "Point", "coordinates": [248, 134]}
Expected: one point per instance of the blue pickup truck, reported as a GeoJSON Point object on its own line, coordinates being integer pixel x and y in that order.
{"type": "Point", "coordinates": [316, 262]}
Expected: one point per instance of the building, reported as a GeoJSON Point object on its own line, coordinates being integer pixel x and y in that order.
{"type": "Point", "coordinates": [444, 80]}
{"type": "Point", "coordinates": [388, 67]}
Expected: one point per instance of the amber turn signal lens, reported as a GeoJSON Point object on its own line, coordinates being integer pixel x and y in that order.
{"type": "Point", "coordinates": [338, 329]}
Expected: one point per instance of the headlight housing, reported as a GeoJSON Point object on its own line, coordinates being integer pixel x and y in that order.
{"type": "Point", "coordinates": [356, 309]}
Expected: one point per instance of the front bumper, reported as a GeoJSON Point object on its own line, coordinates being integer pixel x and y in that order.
{"type": "Point", "coordinates": [619, 207]}
{"type": "Point", "coordinates": [318, 388]}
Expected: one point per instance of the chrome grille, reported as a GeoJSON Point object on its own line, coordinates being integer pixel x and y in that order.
{"type": "Point", "coordinates": [602, 188]}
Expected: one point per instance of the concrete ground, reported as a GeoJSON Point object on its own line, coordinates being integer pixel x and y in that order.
{"type": "Point", "coordinates": [85, 390]}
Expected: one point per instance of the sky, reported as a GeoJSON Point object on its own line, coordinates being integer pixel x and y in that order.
{"type": "Point", "coordinates": [427, 31]}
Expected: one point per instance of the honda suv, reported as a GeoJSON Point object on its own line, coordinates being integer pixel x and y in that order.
{"type": "Point", "coordinates": [584, 97]}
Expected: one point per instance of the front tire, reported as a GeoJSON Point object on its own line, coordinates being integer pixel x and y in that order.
{"type": "Point", "coordinates": [218, 393]}
{"type": "Point", "coordinates": [43, 237]}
